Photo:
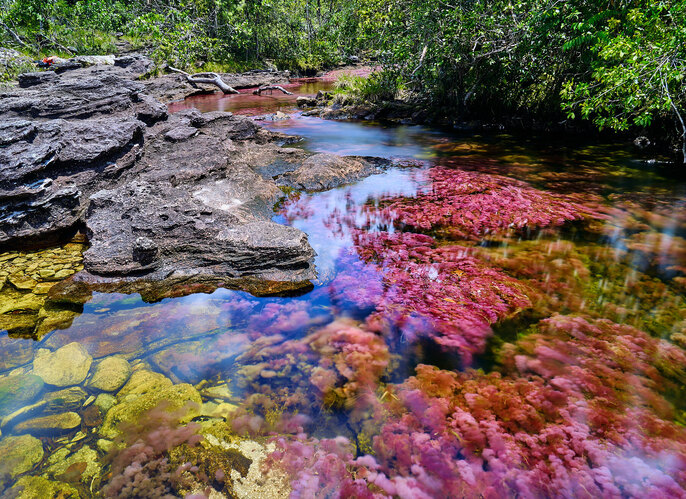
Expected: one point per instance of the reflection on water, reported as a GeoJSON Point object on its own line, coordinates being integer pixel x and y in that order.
{"type": "Point", "coordinates": [248, 104]}
{"type": "Point", "coordinates": [558, 271]}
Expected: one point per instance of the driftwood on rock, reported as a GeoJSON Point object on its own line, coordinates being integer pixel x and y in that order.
{"type": "Point", "coordinates": [206, 78]}
{"type": "Point", "coordinates": [271, 88]}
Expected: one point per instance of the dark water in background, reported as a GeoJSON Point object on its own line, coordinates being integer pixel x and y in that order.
{"type": "Point", "coordinates": [628, 268]}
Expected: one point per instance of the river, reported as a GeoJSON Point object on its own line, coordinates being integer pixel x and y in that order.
{"type": "Point", "coordinates": [494, 315]}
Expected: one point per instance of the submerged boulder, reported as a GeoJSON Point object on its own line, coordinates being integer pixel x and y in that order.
{"type": "Point", "coordinates": [111, 374]}
{"type": "Point", "coordinates": [19, 455]}
{"type": "Point", "coordinates": [326, 171]}
{"type": "Point", "coordinates": [67, 366]}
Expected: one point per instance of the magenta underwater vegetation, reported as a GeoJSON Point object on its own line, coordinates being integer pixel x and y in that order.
{"type": "Point", "coordinates": [573, 406]}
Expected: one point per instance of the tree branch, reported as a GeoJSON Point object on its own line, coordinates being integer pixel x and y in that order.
{"type": "Point", "coordinates": [16, 36]}
{"type": "Point", "coordinates": [270, 88]}
{"type": "Point", "coordinates": [207, 79]}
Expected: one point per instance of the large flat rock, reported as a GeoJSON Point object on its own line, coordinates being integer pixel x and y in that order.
{"type": "Point", "coordinates": [185, 199]}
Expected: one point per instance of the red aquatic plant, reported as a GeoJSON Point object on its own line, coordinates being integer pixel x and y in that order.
{"type": "Point", "coordinates": [470, 205]}
{"type": "Point", "coordinates": [443, 293]}
{"type": "Point", "coordinates": [578, 411]}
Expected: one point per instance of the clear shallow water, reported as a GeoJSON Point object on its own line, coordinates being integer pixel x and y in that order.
{"type": "Point", "coordinates": [578, 327]}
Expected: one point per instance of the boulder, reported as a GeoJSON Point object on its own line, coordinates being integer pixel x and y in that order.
{"type": "Point", "coordinates": [326, 171]}
{"type": "Point", "coordinates": [19, 455]}
{"type": "Point", "coordinates": [47, 424]}
{"type": "Point", "coordinates": [110, 374]}
{"type": "Point", "coordinates": [144, 381]}
{"type": "Point", "coordinates": [69, 399]}
{"type": "Point", "coordinates": [181, 397]}
{"type": "Point", "coordinates": [67, 366]}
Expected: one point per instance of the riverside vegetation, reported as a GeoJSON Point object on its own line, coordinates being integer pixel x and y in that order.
{"type": "Point", "coordinates": [618, 64]}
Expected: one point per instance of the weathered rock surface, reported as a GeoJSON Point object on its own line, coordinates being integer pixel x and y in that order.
{"type": "Point", "coordinates": [326, 171]}
{"type": "Point", "coordinates": [111, 374]}
{"type": "Point", "coordinates": [161, 197]}
{"type": "Point", "coordinates": [67, 366]}
{"type": "Point", "coordinates": [210, 214]}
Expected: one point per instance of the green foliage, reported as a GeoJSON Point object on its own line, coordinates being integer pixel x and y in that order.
{"type": "Point", "coordinates": [619, 63]}
{"type": "Point", "coordinates": [377, 87]}
{"type": "Point", "coordinates": [305, 35]}
{"type": "Point", "coordinates": [638, 73]}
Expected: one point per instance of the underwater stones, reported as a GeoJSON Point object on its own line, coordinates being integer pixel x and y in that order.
{"type": "Point", "coordinates": [27, 302]}
{"type": "Point", "coordinates": [19, 455]}
{"type": "Point", "coordinates": [82, 465]}
{"type": "Point", "coordinates": [22, 282]}
{"type": "Point", "coordinates": [63, 274]}
{"type": "Point", "coordinates": [110, 374]}
{"type": "Point", "coordinates": [17, 351]}
{"type": "Point", "coordinates": [16, 391]}
{"type": "Point", "coordinates": [326, 171]}
{"type": "Point", "coordinates": [42, 288]}
{"type": "Point", "coordinates": [105, 401]}
{"type": "Point", "coordinates": [69, 399]}
{"type": "Point", "coordinates": [68, 365]}
{"type": "Point", "coordinates": [218, 392]}
{"type": "Point", "coordinates": [172, 398]}
{"type": "Point", "coordinates": [55, 422]}
{"type": "Point", "coordinates": [39, 487]}
{"type": "Point", "coordinates": [215, 410]}
{"type": "Point", "coordinates": [142, 382]}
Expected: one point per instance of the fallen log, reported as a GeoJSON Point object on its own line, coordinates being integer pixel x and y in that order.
{"type": "Point", "coordinates": [271, 88]}
{"type": "Point", "coordinates": [207, 79]}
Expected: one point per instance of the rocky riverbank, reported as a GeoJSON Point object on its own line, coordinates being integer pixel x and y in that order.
{"type": "Point", "coordinates": [160, 197]}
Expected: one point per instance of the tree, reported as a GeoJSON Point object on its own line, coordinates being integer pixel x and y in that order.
{"type": "Point", "coordinates": [638, 76]}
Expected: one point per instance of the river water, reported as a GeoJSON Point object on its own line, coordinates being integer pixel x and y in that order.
{"type": "Point", "coordinates": [494, 316]}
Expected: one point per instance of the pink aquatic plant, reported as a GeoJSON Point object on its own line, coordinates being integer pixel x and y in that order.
{"type": "Point", "coordinates": [470, 205]}
{"type": "Point", "coordinates": [334, 364]}
{"type": "Point", "coordinates": [443, 293]}
{"type": "Point", "coordinates": [141, 466]}
{"type": "Point", "coordinates": [578, 411]}
{"type": "Point", "coordinates": [352, 360]}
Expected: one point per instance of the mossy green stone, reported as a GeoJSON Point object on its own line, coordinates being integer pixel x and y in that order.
{"type": "Point", "coordinates": [38, 487]}
{"type": "Point", "coordinates": [17, 391]}
{"type": "Point", "coordinates": [131, 409]}
{"type": "Point", "coordinates": [19, 455]}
